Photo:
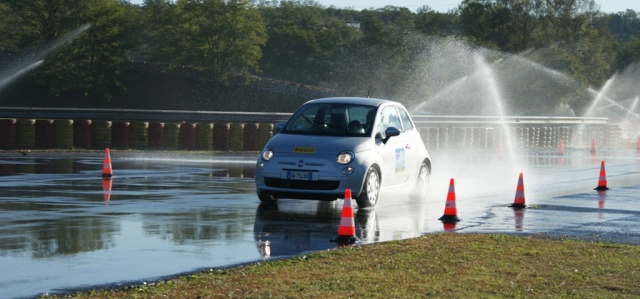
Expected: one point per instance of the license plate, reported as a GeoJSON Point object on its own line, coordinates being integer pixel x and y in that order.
{"type": "Point", "coordinates": [299, 175]}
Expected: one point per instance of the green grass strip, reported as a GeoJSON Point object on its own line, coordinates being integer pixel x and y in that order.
{"type": "Point", "coordinates": [445, 265]}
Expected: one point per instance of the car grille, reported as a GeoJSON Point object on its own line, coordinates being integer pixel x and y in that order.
{"type": "Point", "coordinates": [308, 185]}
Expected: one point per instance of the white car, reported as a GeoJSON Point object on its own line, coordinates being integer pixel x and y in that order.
{"type": "Point", "coordinates": [370, 146]}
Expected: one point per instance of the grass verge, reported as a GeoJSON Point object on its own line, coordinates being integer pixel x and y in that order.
{"type": "Point", "coordinates": [436, 265]}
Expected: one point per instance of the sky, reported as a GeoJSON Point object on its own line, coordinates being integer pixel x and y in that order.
{"type": "Point", "coordinates": [607, 6]}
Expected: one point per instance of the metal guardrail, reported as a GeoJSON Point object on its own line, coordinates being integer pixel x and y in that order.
{"type": "Point", "coordinates": [232, 116]}
{"type": "Point", "coordinates": [140, 115]}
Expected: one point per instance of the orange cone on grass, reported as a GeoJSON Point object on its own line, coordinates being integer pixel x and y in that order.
{"type": "Point", "coordinates": [518, 202]}
{"type": "Point", "coordinates": [450, 210]}
{"type": "Point", "coordinates": [347, 228]}
{"type": "Point", "coordinates": [107, 172]}
{"type": "Point", "coordinates": [602, 180]}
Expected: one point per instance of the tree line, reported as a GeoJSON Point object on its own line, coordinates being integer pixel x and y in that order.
{"type": "Point", "coordinates": [351, 51]}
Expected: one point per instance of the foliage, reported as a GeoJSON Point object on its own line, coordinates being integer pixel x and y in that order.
{"type": "Point", "coordinates": [378, 50]}
{"type": "Point", "coordinates": [215, 37]}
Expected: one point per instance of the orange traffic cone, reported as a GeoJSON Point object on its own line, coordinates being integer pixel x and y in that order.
{"type": "Point", "coordinates": [561, 147]}
{"type": "Point", "coordinates": [638, 146]}
{"type": "Point", "coordinates": [347, 228]}
{"type": "Point", "coordinates": [106, 169]}
{"type": "Point", "coordinates": [593, 145]}
{"type": "Point", "coordinates": [518, 202]}
{"type": "Point", "coordinates": [106, 188]}
{"type": "Point", "coordinates": [450, 210]}
{"type": "Point", "coordinates": [602, 181]}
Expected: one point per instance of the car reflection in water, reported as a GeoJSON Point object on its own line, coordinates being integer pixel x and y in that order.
{"type": "Point", "coordinates": [293, 227]}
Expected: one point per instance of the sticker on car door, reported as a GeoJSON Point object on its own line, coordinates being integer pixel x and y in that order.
{"type": "Point", "coordinates": [400, 159]}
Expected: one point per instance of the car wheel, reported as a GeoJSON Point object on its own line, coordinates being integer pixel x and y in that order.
{"type": "Point", "coordinates": [267, 198]}
{"type": "Point", "coordinates": [422, 183]}
{"type": "Point", "coordinates": [369, 195]}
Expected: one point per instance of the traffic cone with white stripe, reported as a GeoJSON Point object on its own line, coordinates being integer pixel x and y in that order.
{"type": "Point", "coordinates": [107, 172]}
{"type": "Point", "coordinates": [518, 202]}
{"type": "Point", "coordinates": [593, 145]}
{"type": "Point", "coordinates": [602, 180]}
{"type": "Point", "coordinates": [347, 228]}
{"type": "Point", "coordinates": [450, 210]}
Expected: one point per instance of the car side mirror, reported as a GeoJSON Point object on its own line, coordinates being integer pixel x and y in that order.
{"type": "Point", "coordinates": [279, 126]}
{"type": "Point", "coordinates": [390, 132]}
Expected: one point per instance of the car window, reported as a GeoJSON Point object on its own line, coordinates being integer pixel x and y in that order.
{"type": "Point", "coordinates": [389, 118]}
{"type": "Point", "coordinates": [406, 120]}
{"type": "Point", "coordinates": [331, 119]}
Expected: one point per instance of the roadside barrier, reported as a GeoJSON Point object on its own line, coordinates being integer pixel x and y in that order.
{"type": "Point", "coordinates": [171, 136]}
{"type": "Point", "coordinates": [63, 133]}
{"type": "Point", "coordinates": [187, 136]}
{"type": "Point", "coordinates": [156, 136]}
{"type": "Point", "coordinates": [43, 133]}
{"type": "Point", "coordinates": [204, 136]}
{"type": "Point", "coordinates": [265, 132]}
{"type": "Point", "coordinates": [138, 135]}
{"type": "Point", "coordinates": [236, 137]}
{"type": "Point", "coordinates": [8, 133]}
{"type": "Point", "coordinates": [250, 138]}
{"type": "Point", "coordinates": [347, 228]}
{"type": "Point", "coordinates": [221, 136]}
{"type": "Point", "coordinates": [252, 134]}
{"type": "Point", "coordinates": [25, 133]}
{"type": "Point", "coordinates": [82, 133]}
{"type": "Point", "coordinates": [120, 135]}
{"type": "Point", "coordinates": [101, 134]}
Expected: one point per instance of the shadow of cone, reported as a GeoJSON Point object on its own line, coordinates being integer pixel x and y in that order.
{"type": "Point", "coordinates": [450, 210]}
{"type": "Point", "coordinates": [602, 180]}
{"type": "Point", "coordinates": [518, 202]}
{"type": "Point", "coordinates": [593, 145]}
{"type": "Point", "coordinates": [561, 147]}
{"type": "Point", "coordinates": [347, 228]}
{"type": "Point", "coordinates": [106, 169]}
{"type": "Point", "coordinates": [106, 189]}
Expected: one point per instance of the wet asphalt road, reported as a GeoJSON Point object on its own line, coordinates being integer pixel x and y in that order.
{"type": "Point", "coordinates": [63, 228]}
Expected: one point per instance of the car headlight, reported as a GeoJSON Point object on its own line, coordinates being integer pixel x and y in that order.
{"type": "Point", "coordinates": [267, 154]}
{"type": "Point", "coordinates": [344, 157]}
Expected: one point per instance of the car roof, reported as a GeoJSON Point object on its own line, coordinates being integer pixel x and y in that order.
{"type": "Point", "coordinates": [352, 100]}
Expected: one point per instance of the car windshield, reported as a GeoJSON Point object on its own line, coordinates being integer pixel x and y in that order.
{"type": "Point", "coordinates": [332, 119]}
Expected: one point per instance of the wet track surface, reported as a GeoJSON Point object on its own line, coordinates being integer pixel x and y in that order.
{"type": "Point", "coordinates": [63, 228]}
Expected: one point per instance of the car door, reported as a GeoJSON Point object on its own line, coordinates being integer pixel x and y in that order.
{"type": "Point", "coordinates": [394, 152]}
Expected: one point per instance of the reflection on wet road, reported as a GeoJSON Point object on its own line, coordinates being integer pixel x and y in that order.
{"type": "Point", "coordinates": [63, 227]}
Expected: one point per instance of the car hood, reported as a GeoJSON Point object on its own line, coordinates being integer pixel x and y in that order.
{"type": "Point", "coordinates": [290, 143]}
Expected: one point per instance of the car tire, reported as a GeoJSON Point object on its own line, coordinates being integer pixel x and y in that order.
{"type": "Point", "coordinates": [422, 183]}
{"type": "Point", "coordinates": [267, 198]}
{"type": "Point", "coordinates": [371, 189]}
